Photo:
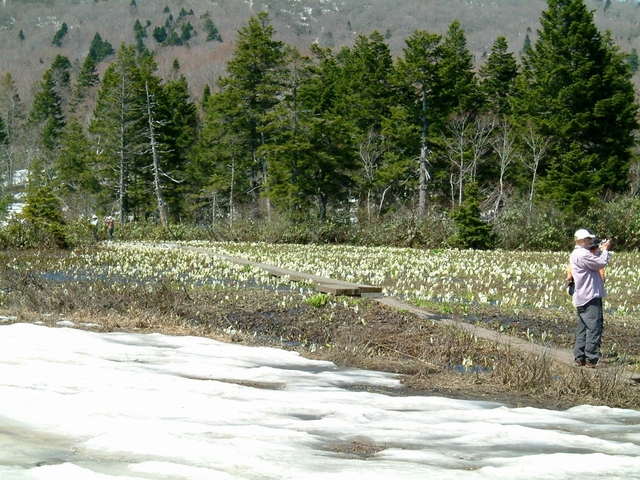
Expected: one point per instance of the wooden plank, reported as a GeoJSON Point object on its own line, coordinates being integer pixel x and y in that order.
{"type": "Point", "coordinates": [323, 284]}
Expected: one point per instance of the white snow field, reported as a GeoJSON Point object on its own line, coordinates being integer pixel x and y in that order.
{"type": "Point", "coordinates": [81, 405]}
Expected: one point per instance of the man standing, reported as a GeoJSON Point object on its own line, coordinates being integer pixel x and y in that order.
{"type": "Point", "coordinates": [109, 222]}
{"type": "Point", "coordinates": [94, 227]}
{"type": "Point", "coordinates": [587, 298]}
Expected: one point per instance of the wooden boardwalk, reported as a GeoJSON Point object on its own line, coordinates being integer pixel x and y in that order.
{"type": "Point", "coordinates": [337, 288]}
{"type": "Point", "coordinates": [322, 284]}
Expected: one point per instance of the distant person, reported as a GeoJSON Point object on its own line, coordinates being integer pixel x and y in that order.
{"type": "Point", "coordinates": [109, 223]}
{"type": "Point", "coordinates": [588, 295]}
{"type": "Point", "coordinates": [95, 223]}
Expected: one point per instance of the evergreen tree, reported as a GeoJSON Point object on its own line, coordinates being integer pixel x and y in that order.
{"type": "Point", "coordinates": [575, 86]}
{"type": "Point", "coordinates": [4, 154]}
{"type": "Point", "coordinates": [206, 95]}
{"type": "Point", "coordinates": [100, 49]}
{"type": "Point", "coordinates": [211, 30]}
{"type": "Point", "coordinates": [4, 136]}
{"type": "Point", "coordinates": [499, 78]}
{"type": "Point", "coordinates": [437, 82]}
{"type": "Point", "coordinates": [160, 34]}
{"type": "Point", "coordinates": [457, 90]}
{"type": "Point", "coordinates": [186, 31]}
{"type": "Point", "coordinates": [290, 151]}
{"type": "Point", "coordinates": [177, 135]}
{"type": "Point", "coordinates": [60, 34]}
{"type": "Point", "coordinates": [473, 232]}
{"type": "Point", "coordinates": [633, 60]}
{"type": "Point", "coordinates": [250, 90]}
{"type": "Point", "coordinates": [21, 35]}
{"type": "Point", "coordinates": [321, 160]}
{"type": "Point", "coordinates": [46, 113]}
{"type": "Point", "coordinates": [14, 114]}
{"type": "Point", "coordinates": [43, 210]}
{"type": "Point", "coordinates": [118, 129]}
{"type": "Point", "coordinates": [87, 78]}
{"type": "Point", "coordinates": [75, 180]}
{"type": "Point", "coordinates": [140, 34]}
{"type": "Point", "coordinates": [366, 95]}
{"type": "Point", "coordinates": [418, 73]}
{"type": "Point", "coordinates": [173, 39]}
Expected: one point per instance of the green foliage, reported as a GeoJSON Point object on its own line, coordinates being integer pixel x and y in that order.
{"type": "Point", "coordinates": [538, 227]}
{"type": "Point", "coordinates": [211, 30]}
{"type": "Point", "coordinates": [87, 78]}
{"type": "Point", "coordinates": [498, 76]}
{"type": "Point", "coordinates": [47, 108]}
{"type": "Point", "coordinates": [186, 32]}
{"type": "Point", "coordinates": [618, 220]}
{"type": "Point", "coordinates": [59, 35]}
{"type": "Point", "coordinates": [633, 60]}
{"type": "Point", "coordinates": [575, 87]}
{"type": "Point", "coordinates": [43, 210]}
{"type": "Point", "coordinates": [4, 137]}
{"type": "Point", "coordinates": [318, 300]}
{"type": "Point", "coordinates": [100, 49]}
{"type": "Point", "coordinates": [473, 232]}
{"type": "Point", "coordinates": [160, 34]}
{"type": "Point", "coordinates": [21, 35]}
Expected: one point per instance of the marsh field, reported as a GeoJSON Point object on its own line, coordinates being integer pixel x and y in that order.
{"type": "Point", "coordinates": [172, 290]}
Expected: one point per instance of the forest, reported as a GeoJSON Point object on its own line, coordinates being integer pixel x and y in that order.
{"type": "Point", "coordinates": [335, 144]}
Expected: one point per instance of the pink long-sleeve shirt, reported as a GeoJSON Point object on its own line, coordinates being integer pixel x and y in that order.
{"type": "Point", "coordinates": [585, 267]}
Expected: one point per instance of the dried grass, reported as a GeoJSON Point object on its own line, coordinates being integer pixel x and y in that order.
{"type": "Point", "coordinates": [433, 358]}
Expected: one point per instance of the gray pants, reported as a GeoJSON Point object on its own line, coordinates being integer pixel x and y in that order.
{"type": "Point", "coordinates": [589, 331]}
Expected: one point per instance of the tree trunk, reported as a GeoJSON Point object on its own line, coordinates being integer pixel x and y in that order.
{"type": "Point", "coordinates": [162, 206]}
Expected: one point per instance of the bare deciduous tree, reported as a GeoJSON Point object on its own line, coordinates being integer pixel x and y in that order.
{"type": "Point", "coordinates": [503, 144]}
{"type": "Point", "coordinates": [457, 150]}
{"type": "Point", "coordinates": [538, 147]}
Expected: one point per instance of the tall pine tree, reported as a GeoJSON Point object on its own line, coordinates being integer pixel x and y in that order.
{"type": "Point", "coordinates": [575, 87]}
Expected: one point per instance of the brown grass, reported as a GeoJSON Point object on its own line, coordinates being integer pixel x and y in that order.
{"type": "Point", "coordinates": [434, 359]}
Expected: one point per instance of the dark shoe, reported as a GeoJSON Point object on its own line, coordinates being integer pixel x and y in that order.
{"type": "Point", "coordinates": [580, 363]}
{"type": "Point", "coordinates": [591, 365]}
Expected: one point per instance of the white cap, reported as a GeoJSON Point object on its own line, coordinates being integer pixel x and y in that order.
{"type": "Point", "coordinates": [582, 234]}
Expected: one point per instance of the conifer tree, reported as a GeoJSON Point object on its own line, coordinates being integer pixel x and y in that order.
{"type": "Point", "coordinates": [473, 231]}
{"type": "Point", "coordinates": [87, 78]}
{"type": "Point", "coordinates": [100, 49]}
{"type": "Point", "coordinates": [251, 88]}
{"type": "Point", "coordinates": [212, 31]}
{"type": "Point", "coordinates": [576, 88]}
{"type": "Point", "coordinates": [4, 137]}
{"type": "Point", "coordinates": [4, 152]}
{"type": "Point", "coordinates": [206, 95]}
{"type": "Point", "coordinates": [457, 90]}
{"type": "Point", "coordinates": [418, 71]}
{"type": "Point", "coordinates": [75, 180]}
{"type": "Point", "coordinates": [364, 98]}
{"type": "Point", "coordinates": [177, 134]}
{"type": "Point", "coordinates": [14, 115]}
{"type": "Point", "coordinates": [118, 130]}
{"type": "Point", "coordinates": [499, 78]}
{"type": "Point", "coordinates": [43, 210]}
{"type": "Point", "coordinates": [46, 113]}
{"type": "Point", "coordinates": [60, 34]}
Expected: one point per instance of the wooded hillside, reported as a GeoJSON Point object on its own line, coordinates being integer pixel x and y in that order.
{"type": "Point", "coordinates": [331, 23]}
{"type": "Point", "coordinates": [171, 121]}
